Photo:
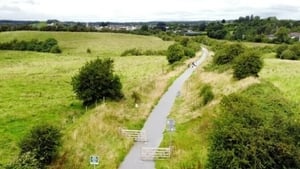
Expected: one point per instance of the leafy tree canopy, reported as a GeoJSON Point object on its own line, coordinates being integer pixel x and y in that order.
{"type": "Point", "coordinates": [96, 80]}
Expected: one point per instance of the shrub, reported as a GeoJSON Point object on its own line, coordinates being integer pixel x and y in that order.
{"type": "Point", "coordinates": [194, 46]}
{"type": "Point", "coordinates": [248, 64]}
{"type": "Point", "coordinates": [254, 131]}
{"type": "Point", "coordinates": [184, 41]}
{"type": "Point", "coordinates": [189, 52]}
{"type": "Point", "coordinates": [228, 53]}
{"type": "Point", "coordinates": [96, 80]}
{"type": "Point", "coordinates": [280, 49]}
{"type": "Point", "coordinates": [43, 142]}
{"type": "Point", "coordinates": [132, 52]}
{"type": "Point", "coordinates": [175, 53]}
{"type": "Point", "coordinates": [55, 49]}
{"type": "Point", "coordinates": [288, 54]}
{"type": "Point", "coordinates": [207, 94]}
{"type": "Point", "coordinates": [88, 50]}
{"type": "Point", "coordinates": [25, 161]}
{"type": "Point", "coordinates": [49, 45]}
{"type": "Point", "coordinates": [154, 52]}
{"type": "Point", "coordinates": [138, 52]}
{"type": "Point", "coordinates": [136, 97]}
{"type": "Point", "coordinates": [296, 48]}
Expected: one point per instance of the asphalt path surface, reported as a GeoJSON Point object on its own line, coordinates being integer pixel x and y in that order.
{"type": "Point", "coordinates": [156, 122]}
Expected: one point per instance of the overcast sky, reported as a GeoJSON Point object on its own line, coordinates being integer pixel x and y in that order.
{"type": "Point", "coordinates": [146, 10]}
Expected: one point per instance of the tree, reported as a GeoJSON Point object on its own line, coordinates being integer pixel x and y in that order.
{"type": "Point", "coordinates": [228, 53]}
{"type": "Point", "coordinates": [216, 30]}
{"type": "Point", "coordinates": [96, 80]}
{"type": "Point", "coordinates": [161, 26]}
{"type": "Point", "coordinates": [43, 141]}
{"type": "Point", "coordinates": [280, 49]}
{"type": "Point", "coordinates": [145, 28]}
{"type": "Point", "coordinates": [248, 64]}
{"type": "Point", "coordinates": [282, 35]}
{"type": "Point", "coordinates": [296, 48]}
{"type": "Point", "coordinates": [175, 53]}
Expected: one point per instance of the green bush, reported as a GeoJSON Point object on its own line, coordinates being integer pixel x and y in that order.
{"type": "Point", "coordinates": [255, 129]}
{"type": "Point", "coordinates": [49, 45]}
{"type": "Point", "coordinates": [43, 142]}
{"type": "Point", "coordinates": [228, 53]}
{"type": "Point", "coordinates": [136, 97]}
{"type": "Point", "coordinates": [96, 80]}
{"type": "Point", "coordinates": [189, 52]}
{"type": "Point", "coordinates": [184, 41]}
{"type": "Point", "coordinates": [207, 94]}
{"type": "Point", "coordinates": [280, 49]}
{"type": "Point", "coordinates": [132, 52]}
{"type": "Point", "coordinates": [288, 54]}
{"type": "Point", "coordinates": [248, 64]}
{"type": "Point", "coordinates": [155, 52]}
{"type": "Point", "coordinates": [138, 52]}
{"type": "Point", "coordinates": [194, 46]}
{"type": "Point", "coordinates": [296, 48]}
{"type": "Point", "coordinates": [88, 50]}
{"type": "Point", "coordinates": [175, 53]}
{"type": "Point", "coordinates": [25, 161]}
{"type": "Point", "coordinates": [55, 49]}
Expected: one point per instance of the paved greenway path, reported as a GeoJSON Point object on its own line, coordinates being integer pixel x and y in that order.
{"type": "Point", "coordinates": [156, 122]}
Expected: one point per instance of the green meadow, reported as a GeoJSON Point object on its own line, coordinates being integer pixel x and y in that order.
{"type": "Point", "coordinates": [284, 74]}
{"type": "Point", "coordinates": [35, 87]}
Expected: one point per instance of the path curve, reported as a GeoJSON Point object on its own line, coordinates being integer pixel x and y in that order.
{"type": "Point", "coordinates": [156, 122]}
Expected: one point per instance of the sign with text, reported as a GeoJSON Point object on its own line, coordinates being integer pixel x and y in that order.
{"type": "Point", "coordinates": [171, 125]}
{"type": "Point", "coordinates": [94, 160]}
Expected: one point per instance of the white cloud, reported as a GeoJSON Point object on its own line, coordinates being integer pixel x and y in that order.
{"type": "Point", "coordinates": [146, 10]}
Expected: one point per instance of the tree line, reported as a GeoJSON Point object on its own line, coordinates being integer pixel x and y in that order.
{"type": "Point", "coordinates": [49, 45]}
{"type": "Point", "coordinates": [254, 29]}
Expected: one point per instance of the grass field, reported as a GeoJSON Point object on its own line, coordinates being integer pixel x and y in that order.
{"type": "Point", "coordinates": [35, 88]}
{"type": "Point", "coordinates": [284, 74]}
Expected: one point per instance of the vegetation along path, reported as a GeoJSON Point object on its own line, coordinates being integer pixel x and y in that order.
{"type": "Point", "coordinates": [156, 122]}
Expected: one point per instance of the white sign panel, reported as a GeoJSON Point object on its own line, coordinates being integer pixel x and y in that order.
{"type": "Point", "coordinates": [94, 160]}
